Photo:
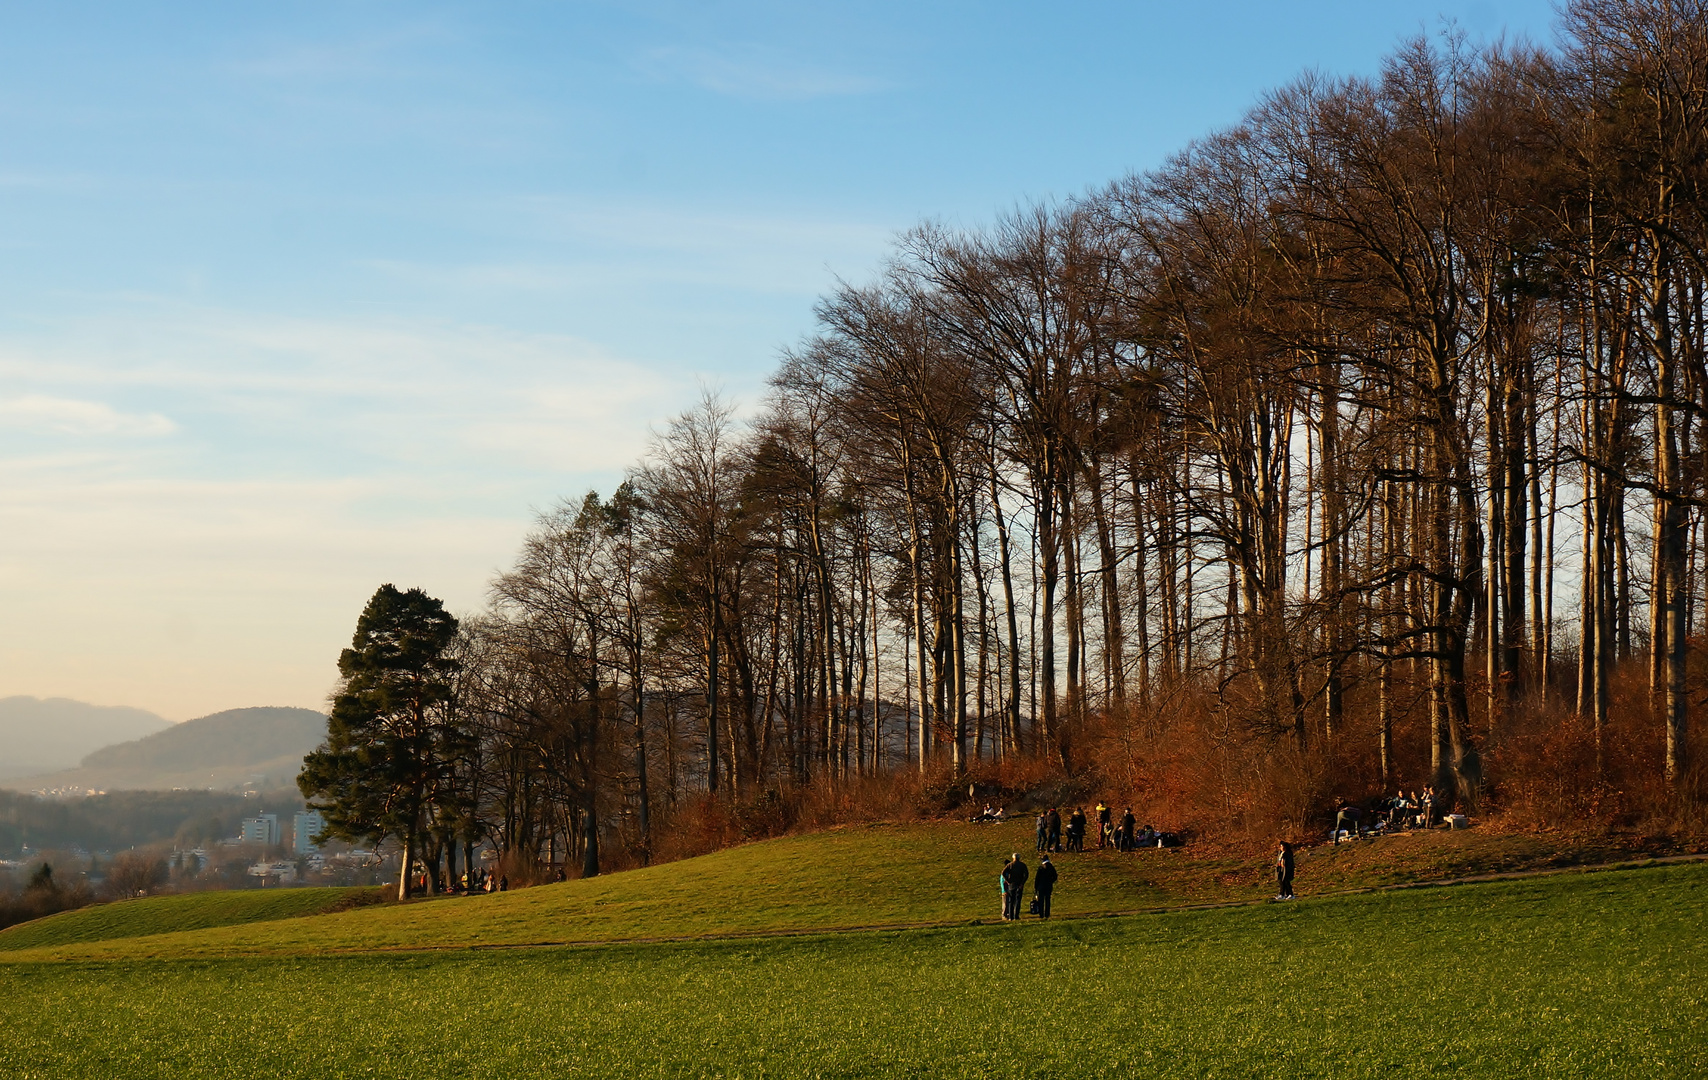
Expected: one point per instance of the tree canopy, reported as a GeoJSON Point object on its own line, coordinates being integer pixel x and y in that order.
{"type": "Point", "coordinates": [392, 735]}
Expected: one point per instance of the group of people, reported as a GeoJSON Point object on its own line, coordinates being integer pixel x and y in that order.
{"type": "Point", "coordinates": [1415, 810]}
{"type": "Point", "coordinates": [470, 882]}
{"type": "Point", "coordinates": [1012, 882]}
{"type": "Point", "coordinates": [1401, 811]}
{"type": "Point", "coordinates": [1055, 835]}
{"type": "Point", "coordinates": [1052, 834]}
{"type": "Point", "coordinates": [1125, 834]}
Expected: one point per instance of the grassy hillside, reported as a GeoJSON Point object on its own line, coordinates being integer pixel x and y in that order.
{"type": "Point", "coordinates": [878, 876]}
{"type": "Point", "coordinates": [169, 914]}
{"type": "Point", "coordinates": [1568, 976]}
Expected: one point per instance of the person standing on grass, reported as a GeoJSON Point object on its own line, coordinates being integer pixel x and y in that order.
{"type": "Point", "coordinates": [1284, 871]}
{"type": "Point", "coordinates": [1044, 883]}
{"type": "Point", "coordinates": [1102, 825]}
{"type": "Point", "coordinates": [1128, 821]}
{"type": "Point", "coordinates": [1076, 829]}
{"type": "Point", "coordinates": [1055, 830]}
{"type": "Point", "coordinates": [1002, 887]}
{"type": "Point", "coordinates": [1043, 831]}
{"type": "Point", "coordinates": [1014, 876]}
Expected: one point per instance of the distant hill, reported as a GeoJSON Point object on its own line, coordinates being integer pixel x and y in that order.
{"type": "Point", "coordinates": [261, 747]}
{"type": "Point", "coordinates": [41, 735]}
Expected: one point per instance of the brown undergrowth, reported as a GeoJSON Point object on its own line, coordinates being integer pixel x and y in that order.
{"type": "Point", "coordinates": [1213, 771]}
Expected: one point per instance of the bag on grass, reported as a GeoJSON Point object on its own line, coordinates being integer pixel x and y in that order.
{"type": "Point", "coordinates": [1033, 910]}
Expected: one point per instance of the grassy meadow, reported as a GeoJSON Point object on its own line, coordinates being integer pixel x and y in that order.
{"type": "Point", "coordinates": [1570, 975]}
{"type": "Point", "coordinates": [191, 911]}
{"type": "Point", "coordinates": [884, 876]}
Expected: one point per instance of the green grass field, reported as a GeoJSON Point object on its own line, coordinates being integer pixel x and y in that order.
{"type": "Point", "coordinates": [1573, 975]}
{"type": "Point", "coordinates": [727, 966]}
{"type": "Point", "coordinates": [858, 877]}
{"type": "Point", "coordinates": [169, 914]}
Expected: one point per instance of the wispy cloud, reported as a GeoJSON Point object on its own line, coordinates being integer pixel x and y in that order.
{"type": "Point", "coordinates": [432, 394]}
{"type": "Point", "coordinates": [754, 72]}
{"type": "Point", "coordinates": [311, 459]}
{"type": "Point", "coordinates": [607, 243]}
{"type": "Point", "coordinates": [74, 417]}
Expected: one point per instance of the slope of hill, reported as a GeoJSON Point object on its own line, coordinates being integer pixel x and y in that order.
{"type": "Point", "coordinates": [40, 735]}
{"type": "Point", "coordinates": [192, 911]}
{"type": "Point", "coordinates": [263, 747]}
{"type": "Point", "coordinates": [1567, 976]}
{"type": "Point", "coordinates": [889, 876]}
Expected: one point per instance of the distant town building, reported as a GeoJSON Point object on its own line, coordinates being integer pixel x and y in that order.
{"type": "Point", "coordinates": [281, 873]}
{"type": "Point", "coordinates": [261, 829]}
{"type": "Point", "coordinates": [303, 827]}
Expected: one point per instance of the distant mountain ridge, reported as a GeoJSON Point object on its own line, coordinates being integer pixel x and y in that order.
{"type": "Point", "coordinates": [39, 735]}
{"type": "Point", "coordinates": [261, 747]}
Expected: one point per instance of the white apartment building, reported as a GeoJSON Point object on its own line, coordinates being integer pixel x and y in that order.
{"type": "Point", "coordinates": [303, 827]}
{"type": "Point", "coordinates": [261, 829]}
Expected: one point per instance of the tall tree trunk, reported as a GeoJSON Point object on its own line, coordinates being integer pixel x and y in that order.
{"type": "Point", "coordinates": [1011, 617]}
{"type": "Point", "coordinates": [406, 863]}
{"type": "Point", "coordinates": [590, 839]}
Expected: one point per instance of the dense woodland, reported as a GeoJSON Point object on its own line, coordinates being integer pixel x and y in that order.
{"type": "Point", "coordinates": [1358, 446]}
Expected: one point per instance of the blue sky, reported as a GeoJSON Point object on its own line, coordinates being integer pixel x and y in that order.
{"type": "Point", "coordinates": [300, 300]}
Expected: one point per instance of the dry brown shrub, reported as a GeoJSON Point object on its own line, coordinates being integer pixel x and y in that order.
{"type": "Point", "coordinates": [136, 873]}
{"type": "Point", "coordinates": [1213, 770]}
{"type": "Point", "coordinates": [1545, 770]}
{"type": "Point", "coordinates": [1206, 769]}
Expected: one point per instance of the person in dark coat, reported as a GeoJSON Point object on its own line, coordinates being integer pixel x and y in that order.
{"type": "Point", "coordinates": [1076, 829]}
{"type": "Point", "coordinates": [1284, 871]}
{"type": "Point", "coordinates": [1044, 883]}
{"type": "Point", "coordinates": [1127, 824]}
{"type": "Point", "coordinates": [1014, 876]}
{"type": "Point", "coordinates": [1043, 831]}
{"type": "Point", "coordinates": [1102, 825]}
{"type": "Point", "coordinates": [1055, 828]}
